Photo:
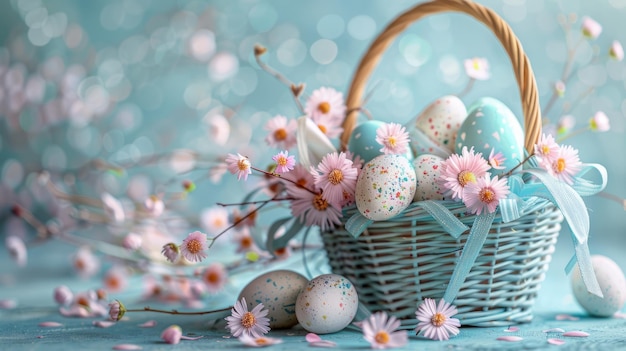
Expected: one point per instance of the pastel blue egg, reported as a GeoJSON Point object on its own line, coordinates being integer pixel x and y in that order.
{"type": "Point", "coordinates": [491, 125]}
{"type": "Point", "coordinates": [363, 141]}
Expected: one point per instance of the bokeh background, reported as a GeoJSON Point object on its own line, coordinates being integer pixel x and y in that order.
{"type": "Point", "coordinates": [122, 80]}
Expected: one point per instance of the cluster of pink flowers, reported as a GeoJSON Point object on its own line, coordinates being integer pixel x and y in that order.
{"type": "Point", "coordinates": [561, 161]}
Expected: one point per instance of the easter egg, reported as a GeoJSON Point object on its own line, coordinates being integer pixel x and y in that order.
{"type": "Point", "coordinates": [427, 169]}
{"type": "Point", "coordinates": [612, 284]}
{"type": "Point", "coordinates": [327, 304]}
{"type": "Point", "coordinates": [385, 187]}
{"type": "Point", "coordinates": [363, 141]}
{"type": "Point", "coordinates": [491, 125]}
{"type": "Point", "coordinates": [277, 291]}
{"type": "Point", "coordinates": [440, 122]}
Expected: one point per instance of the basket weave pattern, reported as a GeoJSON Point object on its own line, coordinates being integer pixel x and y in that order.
{"type": "Point", "coordinates": [397, 263]}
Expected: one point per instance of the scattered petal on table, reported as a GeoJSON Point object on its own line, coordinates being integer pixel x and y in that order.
{"type": "Point", "coordinates": [511, 329]}
{"type": "Point", "coordinates": [576, 334]}
{"type": "Point", "coordinates": [75, 311]}
{"type": "Point", "coordinates": [566, 317]}
{"type": "Point", "coordinates": [510, 338]}
{"type": "Point", "coordinates": [619, 315]}
{"type": "Point", "coordinates": [103, 324]}
{"type": "Point", "coordinates": [127, 347]}
{"type": "Point", "coordinates": [183, 337]}
{"type": "Point", "coordinates": [554, 330]}
{"type": "Point", "coordinates": [554, 341]}
{"type": "Point", "coordinates": [312, 337]}
{"type": "Point", "coordinates": [149, 324]}
{"type": "Point", "coordinates": [50, 324]}
{"type": "Point", "coordinates": [316, 341]}
{"type": "Point", "coordinates": [40, 336]}
{"type": "Point", "coordinates": [8, 304]}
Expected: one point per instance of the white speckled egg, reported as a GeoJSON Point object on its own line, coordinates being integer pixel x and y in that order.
{"type": "Point", "coordinates": [385, 187]}
{"type": "Point", "coordinates": [363, 141]}
{"type": "Point", "coordinates": [440, 121]}
{"type": "Point", "coordinates": [612, 283]}
{"type": "Point", "coordinates": [277, 291]}
{"type": "Point", "coordinates": [489, 125]}
{"type": "Point", "coordinates": [427, 170]}
{"type": "Point", "coordinates": [327, 304]}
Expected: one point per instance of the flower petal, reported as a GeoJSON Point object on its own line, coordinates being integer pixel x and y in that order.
{"type": "Point", "coordinates": [576, 334]}
{"type": "Point", "coordinates": [148, 324]}
{"type": "Point", "coordinates": [510, 338]}
{"type": "Point", "coordinates": [50, 324]}
{"type": "Point", "coordinates": [127, 347]}
{"type": "Point", "coordinates": [566, 317]}
{"type": "Point", "coordinates": [103, 324]}
{"type": "Point", "coordinates": [554, 341]}
{"type": "Point", "coordinates": [511, 330]}
{"type": "Point", "coordinates": [554, 330]}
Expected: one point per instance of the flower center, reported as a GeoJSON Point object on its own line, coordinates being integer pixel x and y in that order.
{"type": "Point", "coordinates": [301, 182]}
{"type": "Point", "coordinates": [243, 164]}
{"type": "Point", "coordinates": [466, 177]}
{"type": "Point", "coordinates": [322, 128]}
{"type": "Point", "coordinates": [319, 203]}
{"type": "Point", "coordinates": [545, 149]}
{"type": "Point", "coordinates": [335, 177]}
{"type": "Point", "coordinates": [261, 341]}
{"type": "Point", "coordinates": [281, 251]}
{"type": "Point", "coordinates": [248, 320]}
{"type": "Point", "coordinates": [213, 277]}
{"type": "Point", "coordinates": [559, 165]}
{"type": "Point", "coordinates": [246, 242]}
{"type": "Point", "coordinates": [113, 283]}
{"type": "Point", "coordinates": [392, 141]}
{"type": "Point", "coordinates": [323, 107]}
{"type": "Point", "coordinates": [194, 246]}
{"type": "Point", "coordinates": [282, 161]}
{"type": "Point", "coordinates": [438, 319]}
{"type": "Point", "coordinates": [218, 222]}
{"type": "Point", "coordinates": [382, 337]}
{"type": "Point", "coordinates": [476, 65]}
{"type": "Point", "coordinates": [486, 195]}
{"type": "Point", "coordinates": [280, 134]}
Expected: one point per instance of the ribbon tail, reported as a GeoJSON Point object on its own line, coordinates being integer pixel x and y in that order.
{"type": "Point", "coordinates": [444, 217]}
{"type": "Point", "coordinates": [357, 224]}
{"type": "Point", "coordinates": [583, 257]}
{"type": "Point", "coordinates": [475, 241]}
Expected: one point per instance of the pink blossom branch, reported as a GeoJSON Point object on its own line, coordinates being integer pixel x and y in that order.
{"type": "Point", "coordinates": [296, 90]}
{"type": "Point", "coordinates": [196, 313]}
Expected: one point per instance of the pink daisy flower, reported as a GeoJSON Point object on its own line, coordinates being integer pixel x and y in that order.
{"type": "Point", "coordinates": [171, 252]}
{"type": "Point", "coordinates": [559, 88]}
{"type": "Point", "coordinates": [116, 310]}
{"type": "Point", "coordinates": [565, 165]}
{"type": "Point", "coordinates": [435, 321]}
{"type": "Point", "coordinates": [284, 162]}
{"type": "Point", "coordinates": [477, 68]}
{"type": "Point", "coordinates": [325, 102]}
{"type": "Point", "coordinates": [599, 122]}
{"type": "Point", "coordinates": [393, 137]}
{"type": "Point", "coordinates": [260, 341]}
{"type": "Point", "coordinates": [172, 334]}
{"type": "Point", "coordinates": [496, 160]}
{"type": "Point", "coordinates": [330, 126]}
{"type": "Point", "coordinates": [485, 194]}
{"type": "Point", "coordinates": [115, 279]}
{"type": "Point", "coordinates": [17, 249]}
{"type": "Point", "coordinates": [250, 323]}
{"type": "Point", "coordinates": [113, 207]}
{"type": "Point", "coordinates": [314, 210]}
{"type": "Point", "coordinates": [565, 124]}
{"type": "Point", "coordinates": [616, 51]}
{"type": "Point", "coordinates": [86, 263]}
{"type": "Point", "coordinates": [239, 165]}
{"type": "Point", "coordinates": [214, 277]}
{"type": "Point", "coordinates": [459, 170]}
{"type": "Point", "coordinates": [590, 28]}
{"type": "Point", "coordinates": [381, 331]}
{"type": "Point", "coordinates": [546, 149]}
{"type": "Point", "coordinates": [214, 219]}
{"type": "Point", "coordinates": [334, 175]}
{"type": "Point", "coordinates": [194, 247]}
{"type": "Point", "coordinates": [300, 176]}
{"type": "Point", "coordinates": [282, 132]}
{"type": "Point", "coordinates": [245, 242]}
{"type": "Point", "coordinates": [154, 205]}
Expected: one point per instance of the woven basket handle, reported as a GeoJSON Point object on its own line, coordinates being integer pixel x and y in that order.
{"type": "Point", "coordinates": [521, 65]}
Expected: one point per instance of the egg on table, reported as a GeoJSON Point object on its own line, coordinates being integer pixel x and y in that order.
{"type": "Point", "coordinates": [277, 291]}
{"type": "Point", "coordinates": [328, 304]}
{"type": "Point", "coordinates": [612, 284]}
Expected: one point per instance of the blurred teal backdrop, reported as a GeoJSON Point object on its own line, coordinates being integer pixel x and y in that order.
{"type": "Point", "coordinates": [143, 88]}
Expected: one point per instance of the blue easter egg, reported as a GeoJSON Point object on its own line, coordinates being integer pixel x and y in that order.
{"type": "Point", "coordinates": [363, 141]}
{"type": "Point", "coordinates": [491, 125]}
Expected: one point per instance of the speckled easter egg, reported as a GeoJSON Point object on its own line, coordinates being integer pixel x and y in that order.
{"type": "Point", "coordinates": [427, 169]}
{"type": "Point", "coordinates": [491, 125]}
{"type": "Point", "coordinates": [440, 121]}
{"type": "Point", "coordinates": [277, 291]}
{"type": "Point", "coordinates": [612, 283]}
{"type": "Point", "coordinates": [385, 187]}
{"type": "Point", "coordinates": [363, 141]}
{"type": "Point", "coordinates": [327, 304]}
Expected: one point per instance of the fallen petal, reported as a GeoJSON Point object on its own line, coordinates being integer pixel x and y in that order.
{"type": "Point", "coordinates": [312, 337]}
{"type": "Point", "coordinates": [8, 304]}
{"type": "Point", "coordinates": [554, 341]}
{"type": "Point", "coordinates": [576, 334]}
{"type": "Point", "coordinates": [183, 337]}
{"type": "Point", "coordinates": [554, 330]}
{"type": "Point", "coordinates": [127, 347]}
{"type": "Point", "coordinates": [103, 324]}
{"type": "Point", "coordinates": [50, 324]}
{"type": "Point", "coordinates": [619, 315]}
{"type": "Point", "coordinates": [323, 343]}
{"type": "Point", "coordinates": [148, 324]}
{"type": "Point", "coordinates": [566, 317]}
{"type": "Point", "coordinates": [40, 336]}
{"type": "Point", "coordinates": [75, 311]}
{"type": "Point", "coordinates": [511, 330]}
{"type": "Point", "coordinates": [510, 338]}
